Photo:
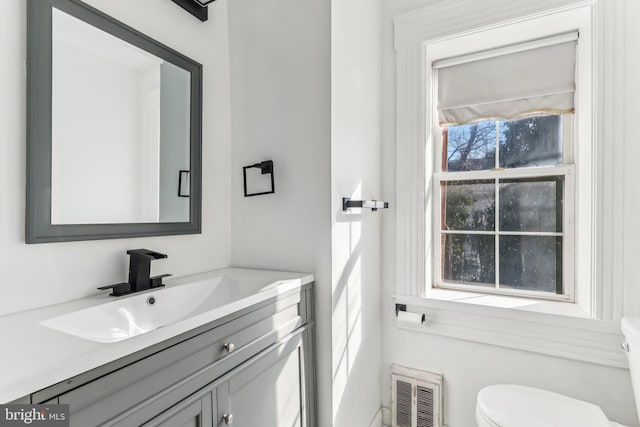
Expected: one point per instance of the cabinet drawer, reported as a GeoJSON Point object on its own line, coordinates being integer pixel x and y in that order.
{"type": "Point", "coordinates": [193, 362]}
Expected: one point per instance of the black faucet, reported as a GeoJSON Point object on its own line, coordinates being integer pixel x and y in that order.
{"type": "Point", "coordinates": [139, 273]}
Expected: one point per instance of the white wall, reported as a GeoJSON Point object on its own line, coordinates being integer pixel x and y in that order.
{"type": "Point", "coordinates": [86, 146]}
{"type": "Point", "coordinates": [356, 173]}
{"type": "Point", "coordinates": [44, 274]}
{"type": "Point", "coordinates": [468, 366]}
{"type": "Point", "coordinates": [282, 82]}
{"type": "Point", "coordinates": [280, 85]}
{"type": "Point", "coordinates": [100, 132]}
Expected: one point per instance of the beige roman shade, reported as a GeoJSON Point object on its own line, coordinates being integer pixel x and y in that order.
{"type": "Point", "coordinates": [507, 83]}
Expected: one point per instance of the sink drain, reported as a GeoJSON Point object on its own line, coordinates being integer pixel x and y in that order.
{"type": "Point", "coordinates": [151, 300]}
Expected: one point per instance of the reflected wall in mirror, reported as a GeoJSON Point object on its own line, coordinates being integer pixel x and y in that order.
{"type": "Point", "coordinates": [120, 128]}
{"type": "Point", "coordinates": [114, 121]}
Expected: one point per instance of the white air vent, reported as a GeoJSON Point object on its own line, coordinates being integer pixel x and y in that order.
{"type": "Point", "coordinates": [416, 398]}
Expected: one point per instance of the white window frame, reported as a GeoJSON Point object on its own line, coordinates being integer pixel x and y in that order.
{"type": "Point", "coordinates": [578, 187]}
{"type": "Point", "coordinates": [566, 170]}
{"type": "Point", "coordinates": [417, 48]}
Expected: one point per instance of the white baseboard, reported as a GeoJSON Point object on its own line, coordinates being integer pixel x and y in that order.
{"type": "Point", "coordinates": [377, 419]}
{"type": "Point", "coordinates": [386, 416]}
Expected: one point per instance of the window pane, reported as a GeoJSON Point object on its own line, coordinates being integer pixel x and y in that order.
{"type": "Point", "coordinates": [532, 141]}
{"type": "Point", "coordinates": [468, 205]}
{"type": "Point", "coordinates": [531, 263]}
{"type": "Point", "coordinates": [471, 147]}
{"type": "Point", "coordinates": [531, 204]}
{"type": "Point", "coordinates": [469, 258]}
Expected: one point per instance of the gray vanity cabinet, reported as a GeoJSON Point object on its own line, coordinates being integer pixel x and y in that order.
{"type": "Point", "coordinates": [268, 392]}
{"type": "Point", "coordinates": [254, 366]}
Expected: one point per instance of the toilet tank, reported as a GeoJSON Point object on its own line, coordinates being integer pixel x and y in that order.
{"type": "Point", "coordinates": [631, 329]}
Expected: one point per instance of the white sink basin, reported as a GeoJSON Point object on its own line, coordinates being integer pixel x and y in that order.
{"type": "Point", "coordinates": [126, 317]}
{"type": "Point", "coordinates": [183, 303]}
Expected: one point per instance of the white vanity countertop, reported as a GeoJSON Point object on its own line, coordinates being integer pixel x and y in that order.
{"type": "Point", "coordinates": [33, 356]}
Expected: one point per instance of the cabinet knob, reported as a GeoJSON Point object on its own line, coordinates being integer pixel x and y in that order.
{"type": "Point", "coordinates": [229, 347]}
{"type": "Point", "coordinates": [227, 418]}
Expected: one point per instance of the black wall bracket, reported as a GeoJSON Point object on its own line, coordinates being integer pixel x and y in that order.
{"type": "Point", "coordinates": [400, 307]}
{"type": "Point", "coordinates": [265, 167]}
{"type": "Point", "coordinates": [195, 7]}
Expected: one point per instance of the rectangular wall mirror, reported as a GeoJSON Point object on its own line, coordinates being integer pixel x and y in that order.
{"type": "Point", "coordinates": [114, 120]}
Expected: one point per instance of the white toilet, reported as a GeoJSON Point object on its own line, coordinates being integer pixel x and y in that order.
{"type": "Point", "coordinates": [504, 405]}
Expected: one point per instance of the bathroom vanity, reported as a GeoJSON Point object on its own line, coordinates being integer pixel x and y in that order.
{"type": "Point", "coordinates": [248, 363]}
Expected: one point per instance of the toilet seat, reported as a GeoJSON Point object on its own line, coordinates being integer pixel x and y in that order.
{"type": "Point", "coordinates": [506, 405]}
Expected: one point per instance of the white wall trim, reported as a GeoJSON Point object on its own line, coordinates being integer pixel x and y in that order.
{"type": "Point", "coordinates": [410, 167]}
{"type": "Point", "coordinates": [446, 17]}
{"type": "Point", "coordinates": [610, 127]}
{"type": "Point", "coordinates": [586, 340]}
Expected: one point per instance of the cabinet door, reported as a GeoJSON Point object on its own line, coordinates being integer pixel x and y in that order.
{"type": "Point", "coordinates": [269, 391]}
{"type": "Point", "coordinates": [196, 411]}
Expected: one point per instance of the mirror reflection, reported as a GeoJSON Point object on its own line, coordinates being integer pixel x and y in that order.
{"type": "Point", "coordinates": [120, 130]}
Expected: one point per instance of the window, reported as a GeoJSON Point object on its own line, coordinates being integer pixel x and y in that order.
{"type": "Point", "coordinates": [503, 207]}
{"type": "Point", "coordinates": [505, 186]}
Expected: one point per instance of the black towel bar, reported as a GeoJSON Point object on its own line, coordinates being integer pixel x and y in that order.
{"type": "Point", "coordinates": [374, 205]}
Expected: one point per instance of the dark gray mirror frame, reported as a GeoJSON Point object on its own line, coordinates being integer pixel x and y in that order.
{"type": "Point", "coordinates": [39, 101]}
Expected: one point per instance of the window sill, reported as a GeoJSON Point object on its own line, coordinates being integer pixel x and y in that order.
{"type": "Point", "coordinates": [511, 302]}
{"type": "Point", "coordinates": [546, 327]}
